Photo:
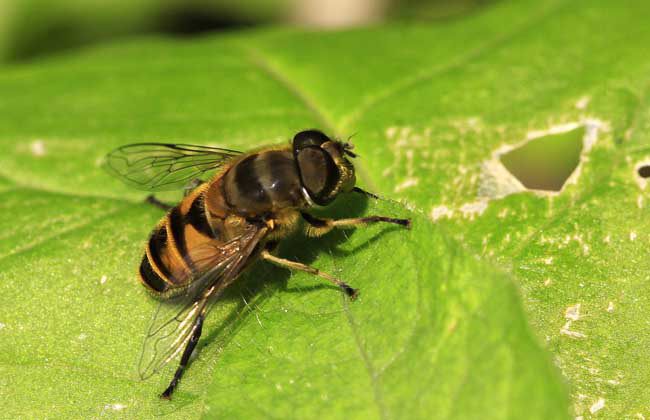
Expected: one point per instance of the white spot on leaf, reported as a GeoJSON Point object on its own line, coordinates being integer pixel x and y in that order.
{"type": "Point", "coordinates": [597, 406]}
{"type": "Point", "coordinates": [37, 147]}
{"type": "Point", "coordinates": [404, 142]}
{"type": "Point", "coordinates": [583, 102]}
{"type": "Point", "coordinates": [115, 406]}
{"type": "Point", "coordinates": [573, 312]}
{"type": "Point", "coordinates": [566, 330]}
{"type": "Point", "coordinates": [470, 210]}
{"type": "Point", "coordinates": [441, 211]}
{"type": "Point", "coordinates": [407, 183]}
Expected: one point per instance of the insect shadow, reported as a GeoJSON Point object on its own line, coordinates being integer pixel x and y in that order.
{"type": "Point", "coordinates": [263, 280]}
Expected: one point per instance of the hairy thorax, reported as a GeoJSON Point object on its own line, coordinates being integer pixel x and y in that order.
{"type": "Point", "coordinates": [263, 183]}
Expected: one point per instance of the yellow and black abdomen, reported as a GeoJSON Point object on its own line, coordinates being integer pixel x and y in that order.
{"type": "Point", "coordinates": [167, 265]}
{"type": "Point", "coordinates": [262, 183]}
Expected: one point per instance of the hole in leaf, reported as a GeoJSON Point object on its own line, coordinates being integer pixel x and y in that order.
{"type": "Point", "coordinates": [545, 163]}
{"type": "Point", "coordinates": [644, 171]}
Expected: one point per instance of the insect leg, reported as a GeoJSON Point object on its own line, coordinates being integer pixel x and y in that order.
{"type": "Point", "coordinates": [318, 227]}
{"type": "Point", "coordinates": [189, 348]}
{"type": "Point", "coordinates": [157, 203]}
{"type": "Point", "coordinates": [293, 265]}
{"type": "Point", "coordinates": [366, 193]}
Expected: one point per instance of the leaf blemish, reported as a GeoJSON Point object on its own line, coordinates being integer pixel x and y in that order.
{"type": "Point", "coordinates": [37, 147]}
{"type": "Point", "coordinates": [441, 211]}
{"type": "Point", "coordinates": [471, 210]}
{"type": "Point", "coordinates": [566, 330]}
{"type": "Point", "coordinates": [571, 314]}
{"type": "Point", "coordinates": [544, 162]}
{"type": "Point", "coordinates": [642, 171]}
{"type": "Point", "coordinates": [583, 102]}
{"type": "Point", "coordinates": [597, 406]}
{"type": "Point", "coordinates": [409, 144]}
{"type": "Point", "coordinates": [404, 142]}
{"type": "Point", "coordinates": [115, 406]}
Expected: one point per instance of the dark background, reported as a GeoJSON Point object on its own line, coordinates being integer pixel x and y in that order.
{"type": "Point", "coordinates": [30, 28]}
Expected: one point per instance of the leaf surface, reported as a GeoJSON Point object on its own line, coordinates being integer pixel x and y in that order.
{"type": "Point", "coordinates": [436, 331]}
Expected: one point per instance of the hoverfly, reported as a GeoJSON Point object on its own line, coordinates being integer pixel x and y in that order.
{"type": "Point", "coordinates": [226, 223]}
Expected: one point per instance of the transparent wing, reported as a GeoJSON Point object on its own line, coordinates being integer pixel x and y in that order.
{"type": "Point", "coordinates": [160, 166]}
{"type": "Point", "coordinates": [176, 319]}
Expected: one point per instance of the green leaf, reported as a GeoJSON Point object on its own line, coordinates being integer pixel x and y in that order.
{"type": "Point", "coordinates": [437, 332]}
{"type": "Point", "coordinates": [580, 256]}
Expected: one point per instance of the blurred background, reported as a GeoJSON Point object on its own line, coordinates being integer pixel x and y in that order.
{"type": "Point", "coordinates": [30, 28]}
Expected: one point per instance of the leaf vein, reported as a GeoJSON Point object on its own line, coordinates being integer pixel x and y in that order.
{"type": "Point", "coordinates": [264, 64]}
{"type": "Point", "coordinates": [48, 238]}
{"type": "Point", "coordinates": [370, 368]}
{"type": "Point", "coordinates": [429, 73]}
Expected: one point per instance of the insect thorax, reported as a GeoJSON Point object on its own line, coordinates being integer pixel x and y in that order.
{"type": "Point", "coordinates": [263, 182]}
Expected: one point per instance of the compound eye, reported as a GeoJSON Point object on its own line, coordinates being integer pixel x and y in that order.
{"type": "Point", "coordinates": [318, 173]}
{"type": "Point", "coordinates": [309, 138]}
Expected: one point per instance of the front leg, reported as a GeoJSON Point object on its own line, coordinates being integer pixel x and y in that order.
{"type": "Point", "coordinates": [319, 227]}
{"type": "Point", "coordinates": [293, 265]}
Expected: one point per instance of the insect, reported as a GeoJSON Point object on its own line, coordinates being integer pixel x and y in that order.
{"type": "Point", "coordinates": [224, 224]}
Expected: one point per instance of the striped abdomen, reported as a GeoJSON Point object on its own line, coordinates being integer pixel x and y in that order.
{"type": "Point", "coordinates": [168, 264]}
{"type": "Point", "coordinates": [256, 185]}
